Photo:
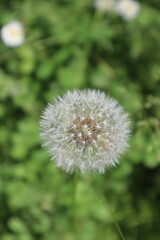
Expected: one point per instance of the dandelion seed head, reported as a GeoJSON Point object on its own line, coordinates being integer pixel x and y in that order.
{"type": "Point", "coordinates": [105, 5]}
{"type": "Point", "coordinates": [128, 9]}
{"type": "Point", "coordinates": [85, 130]}
{"type": "Point", "coordinates": [12, 34]}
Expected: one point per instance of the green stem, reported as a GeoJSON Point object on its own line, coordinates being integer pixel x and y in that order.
{"type": "Point", "coordinates": [74, 200]}
{"type": "Point", "coordinates": [118, 229]}
{"type": "Point", "coordinates": [115, 222]}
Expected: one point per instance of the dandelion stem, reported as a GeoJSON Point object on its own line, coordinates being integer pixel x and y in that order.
{"type": "Point", "coordinates": [74, 202]}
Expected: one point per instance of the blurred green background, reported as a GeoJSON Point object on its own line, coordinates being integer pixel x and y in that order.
{"type": "Point", "coordinates": [71, 45]}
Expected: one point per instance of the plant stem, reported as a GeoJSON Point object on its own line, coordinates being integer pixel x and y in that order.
{"type": "Point", "coordinates": [74, 202]}
{"type": "Point", "coordinates": [115, 222]}
{"type": "Point", "coordinates": [118, 229]}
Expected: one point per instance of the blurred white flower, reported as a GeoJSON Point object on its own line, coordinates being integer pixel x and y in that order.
{"type": "Point", "coordinates": [128, 9]}
{"type": "Point", "coordinates": [105, 5]}
{"type": "Point", "coordinates": [85, 130]}
{"type": "Point", "coordinates": [12, 34]}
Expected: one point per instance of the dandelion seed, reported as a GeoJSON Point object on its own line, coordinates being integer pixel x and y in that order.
{"type": "Point", "coordinates": [12, 34]}
{"type": "Point", "coordinates": [128, 9]}
{"type": "Point", "coordinates": [79, 140]}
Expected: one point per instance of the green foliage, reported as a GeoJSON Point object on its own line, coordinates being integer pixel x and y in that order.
{"type": "Point", "coordinates": [71, 45]}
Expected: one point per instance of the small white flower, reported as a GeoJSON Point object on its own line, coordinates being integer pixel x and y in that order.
{"type": "Point", "coordinates": [128, 9]}
{"type": "Point", "coordinates": [12, 34]}
{"type": "Point", "coordinates": [105, 5]}
{"type": "Point", "coordinates": [85, 130]}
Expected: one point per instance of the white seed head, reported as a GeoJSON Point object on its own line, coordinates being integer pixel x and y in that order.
{"type": "Point", "coordinates": [128, 9]}
{"type": "Point", "coordinates": [78, 139]}
{"type": "Point", "coordinates": [105, 5]}
{"type": "Point", "coordinates": [12, 34]}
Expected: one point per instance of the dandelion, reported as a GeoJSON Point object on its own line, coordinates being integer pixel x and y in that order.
{"type": "Point", "coordinates": [85, 130]}
{"type": "Point", "coordinates": [128, 9]}
{"type": "Point", "coordinates": [12, 34]}
{"type": "Point", "coordinates": [105, 5]}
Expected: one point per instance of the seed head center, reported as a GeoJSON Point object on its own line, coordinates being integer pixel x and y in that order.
{"type": "Point", "coordinates": [84, 131]}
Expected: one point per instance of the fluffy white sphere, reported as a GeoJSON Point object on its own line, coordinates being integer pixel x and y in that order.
{"type": "Point", "coordinates": [128, 9]}
{"type": "Point", "coordinates": [12, 34]}
{"type": "Point", "coordinates": [85, 130]}
{"type": "Point", "coordinates": [105, 5]}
